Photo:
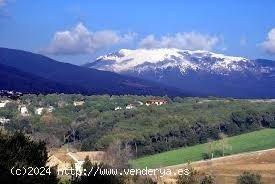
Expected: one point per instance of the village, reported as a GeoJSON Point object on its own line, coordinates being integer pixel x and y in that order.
{"type": "Point", "coordinates": [105, 129]}
{"type": "Point", "coordinates": [24, 111]}
{"type": "Point", "coordinates": [65, 158]}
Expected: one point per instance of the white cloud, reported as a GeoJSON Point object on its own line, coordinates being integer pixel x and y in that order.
{"type": "Point", "coordinates": [188, 40]}
{"type": "Point", "coordinates": [269, 44]}
{"type": "Point", "coordinates": [79, 40]}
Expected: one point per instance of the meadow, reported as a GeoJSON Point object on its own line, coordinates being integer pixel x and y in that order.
{"type": "Point", "coordinates": [253, 141]}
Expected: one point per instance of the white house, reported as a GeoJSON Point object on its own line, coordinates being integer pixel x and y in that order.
{"type": "Point", "coordinates": [50, 109]}
{"type": "Point", "coordinates": [39, 110]}
{"type": "Point", "coordinates": [23, 110]}
{"type": "Point", "coordinates": [4, 120]}
{"type": "Point", "coordinates": [3, 103]}
{"type": "Point", "coordinates": [156, 102]}
{"type": "Point", "coordinates": [130, 106]}
{"type": "Point", "coordinates": [118, 108]}
{"type": "Point", "coordinates": [140, 103]}
{"type": "Point", "coordinates": [78, 103]}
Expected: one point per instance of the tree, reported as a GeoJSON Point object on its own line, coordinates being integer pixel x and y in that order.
{"type": "Point", "coordinates": [19, 151]}
{"type": "Point", "coordinates": [208, 179]}
{"type": "Point", "coordinates": [249, 178]}
{"type": "Point", "coordinates": [118, 155]}
{"type": "Point", "coordinates": [195, 177]}
{"type": "Point", "coordinates": [192, 178]}
{"type": "Point", "coordinates": [223, 143]}
{"type": "Point", "coordinates": [217, 149]}
{"type": "Point", "coordinates": [210, 149]}
{"type": "Point", "coordinates": [95, 175]}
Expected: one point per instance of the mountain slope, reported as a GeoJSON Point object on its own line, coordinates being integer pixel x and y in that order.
{"type": "Point", "coordinates": [195, 71]}
{"type": "Point", "coordinates": [13, 79]}
{"type": "Point", "coordinates": [90, 80]}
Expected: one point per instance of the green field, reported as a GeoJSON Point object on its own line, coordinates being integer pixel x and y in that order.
{"type": "Point", "coordinates": [258, 140]}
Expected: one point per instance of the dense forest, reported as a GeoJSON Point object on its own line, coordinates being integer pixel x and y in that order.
{"type": "Point", "coordinates": [98, 122]}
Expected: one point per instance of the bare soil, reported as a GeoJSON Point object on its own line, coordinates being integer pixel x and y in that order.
{"type": "Point", "coordinates": [227, 169]}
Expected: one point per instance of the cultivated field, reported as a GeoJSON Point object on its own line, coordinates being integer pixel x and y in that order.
{"type": "Point", "coordinates": [226, 169]}
{"type": "Point", "coordinates": [258, 140]}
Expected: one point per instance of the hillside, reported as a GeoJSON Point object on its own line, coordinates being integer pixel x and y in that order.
{"type": "Point", "coordinates": [101, 120]}
{"type": "Point", "coordinates": [253, 141]}
{"type": "Point", "coordinates": [227, 169]}
{"type": "Point", "coordinates": [90, 80]}
{"type": "Point", "coordinates": [13, 79]}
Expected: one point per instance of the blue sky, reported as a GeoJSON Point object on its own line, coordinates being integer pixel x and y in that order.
{"type": "Point", "coordinates": [78, 31]}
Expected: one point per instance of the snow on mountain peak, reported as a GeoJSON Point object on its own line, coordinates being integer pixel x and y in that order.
{"type": "Point", "coordinates": [126, 59]}
{"type": "Point", "coordinates": [144, 59]}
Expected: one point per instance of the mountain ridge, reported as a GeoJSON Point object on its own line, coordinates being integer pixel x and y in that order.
{"type": "Point", "coordinates": [16, 80]}
{"type": "Point", "coordinates": [90, 80]}
{"type": "Point", "coordinates": [204, 71]}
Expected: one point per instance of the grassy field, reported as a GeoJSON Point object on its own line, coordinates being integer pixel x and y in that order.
{"type": "Point", "coordinates": [258, 140]}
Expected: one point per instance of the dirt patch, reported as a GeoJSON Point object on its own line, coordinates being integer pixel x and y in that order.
{"type": "Point", "coordinates": [227, 169]}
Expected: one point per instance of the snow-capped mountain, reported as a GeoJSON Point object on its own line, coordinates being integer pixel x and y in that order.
{"type": "Point", "coordinates": [196, 71]}
{"type": "Point", "coordinates": [34, 73]}
{"type": "Point", "coordinates": [142, 60]}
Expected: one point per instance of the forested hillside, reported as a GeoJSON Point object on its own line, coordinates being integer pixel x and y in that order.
{"type": "Point", "coordinates": [92, 123]}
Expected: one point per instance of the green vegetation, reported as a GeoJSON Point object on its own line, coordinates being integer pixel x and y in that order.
{"type": "Point", "coordinates": [249, 178]}
{"type": "Point", "coordinates": [145, 129]}
{"type": "Point", "coordinates": [111, 178]}
{"type": "Point", "coordinates": [18, 152]}
{"type": "Point", "coordinates": [195, 177]}
{"type": "Point", "coordinates": [258, 140]}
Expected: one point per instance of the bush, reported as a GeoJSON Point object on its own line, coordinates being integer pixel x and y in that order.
{"type": "Point", "coordinates": [192, 178]}
{"type": "Point", "coordinates": [249, 178]}
{"type": "Point", "coordinates": [95, 176]}
{"type": "Point", "coordinates": [208, 179]}
{"type": "Point", "coordinates": [206, 156]}
{"type": "Point", "coordinates": [20, 152]}
{"type": "Point", "coordinates": [272, 124]}
{"type": "Point", "coordinates": [218, 153]}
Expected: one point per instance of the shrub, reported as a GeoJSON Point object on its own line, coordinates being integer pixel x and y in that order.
{"type": "Point", "coordinates": [208, 179]}
{"type": "Point", "coordinates": [249, 178]}
{"type": "Point", "coordinates": [95, 176]}
{"type": "Point", "coordinates": [192, 178]}
{"type": "Point", "coordinates": [206, 156]}
{"type": "Point", "coordinates": [19, 151]}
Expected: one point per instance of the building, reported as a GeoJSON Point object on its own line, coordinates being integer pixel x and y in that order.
{"type": "Point", "coordinates": [156, 102]}
{"type": "Point", "coordinates": [40, 110]}
{"type": "Point", "coordinates": [118, 108]}
{"type": "Point", "coordinates": [78, 103]}
{"type": "Point", "coordinates": [65, 160]}
{"type": "Point", "coordinates": [23, 110]}
{"type": "Point", "coordinates": [3, 121]}
{"type": "Point", "coordinates": [50, 109]}
{"type": "Point", "coordinates": [4, 103]}
{"type": "Point", "coordinates": [130, 106]}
